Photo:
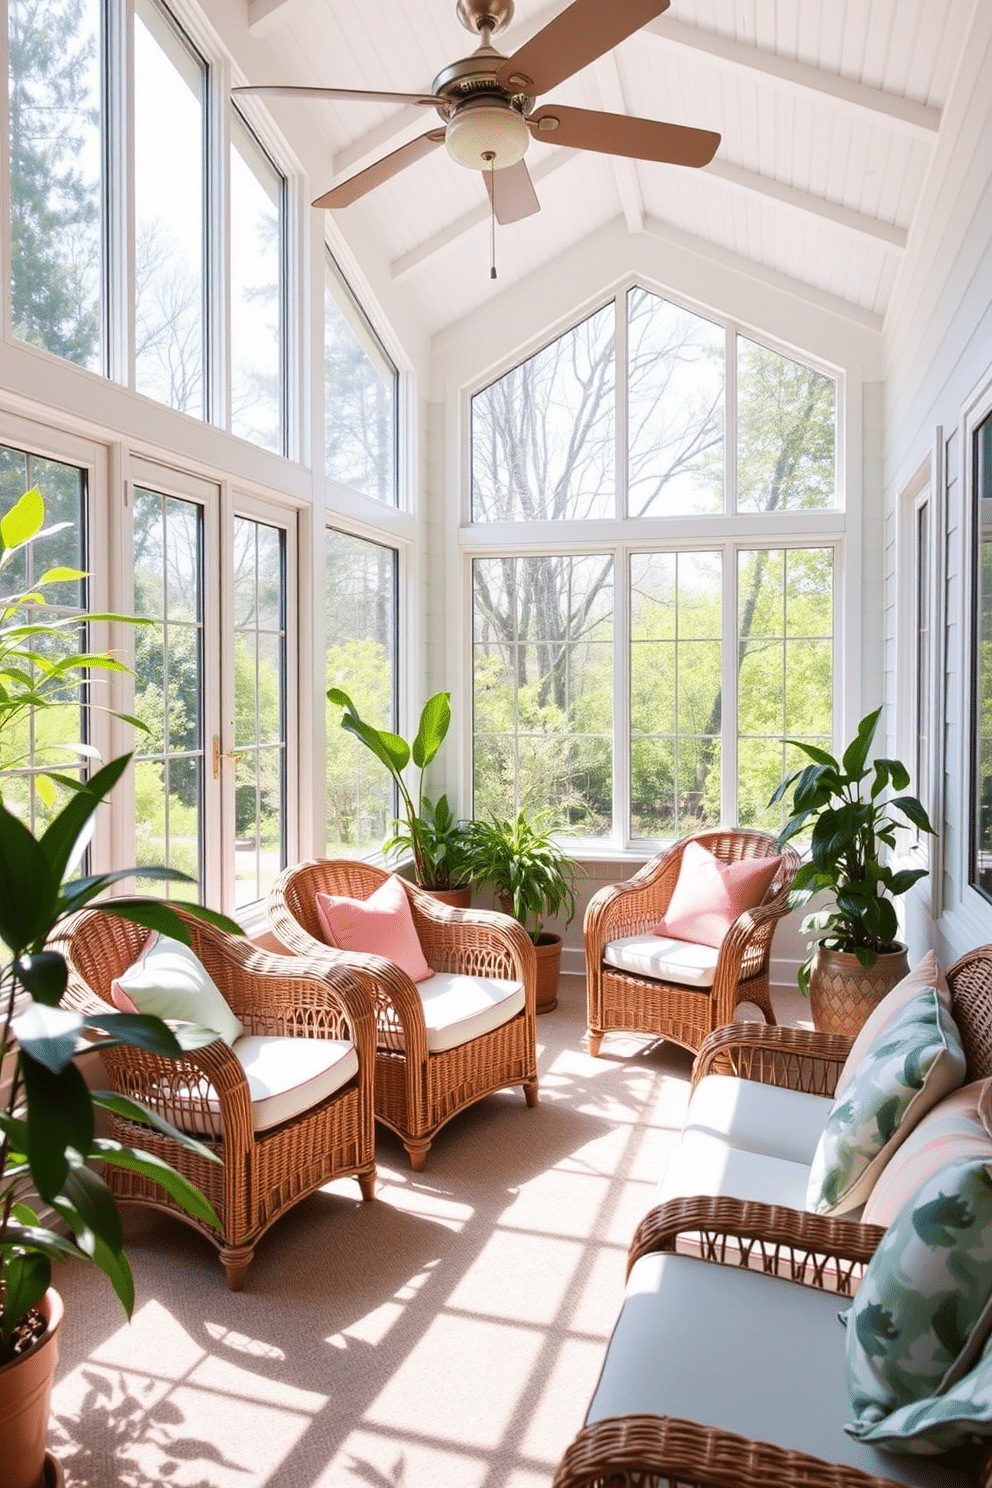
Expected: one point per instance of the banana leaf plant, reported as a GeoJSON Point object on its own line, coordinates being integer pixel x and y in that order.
{"type": "Point", "coordinates": [429, 830]}
{"type": "Point", "coordinates": [852, 818]}
{"type": "Point", "coordinates": [48, 1139]}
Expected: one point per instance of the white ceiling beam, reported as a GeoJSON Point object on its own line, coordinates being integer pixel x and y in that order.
{"type": "Point", "coordinates": [624, 170]}
{"type": "Point", "coordinates": [439, 241]}
{"type": "Point", "coordinates": [785, 283]}
{"type": "Point", "coordinates": [903, 113]}
{"type": "Point", "coordinates": [888, 233]}
{"type": "Point", "coordinates": [263, 15]}
{"type": "Point", "coordinates": [395, 130]}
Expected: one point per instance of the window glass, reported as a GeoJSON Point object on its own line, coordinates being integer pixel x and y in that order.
{"type": "Point", "coordinates": [675, 409]}
{"type": "Point", "coordinates": [169, 252]}
{"type": "Point", "coordinates": [360, 386]}
{"type": "Point", "coordinates": [39, 740]}
{"type": "Point", "coordinates": [259, 708]}
{"type": "Point", "coordinates": [981, 846]}
{"type": "Point", "coordinates": [168, 688]}
{"type": "Point", "coordinates": [56, 177]}
{"type": "Point", "coordinates": [258, 273]}
{"type": "Point", "coordinates": [543, 687]}
{"type": "Point", "coordinates": [786, 433]}
{"type": "Point", "coordinates": [544, 435]}
{"type": "Point", "coordinates": [785, 670]}
{"type": "Point", "coordinates": [922, 702]}
{"type": "Point", "coordinates": [360, 599]}
{"type": "Point", "coordinates": [676, 684]}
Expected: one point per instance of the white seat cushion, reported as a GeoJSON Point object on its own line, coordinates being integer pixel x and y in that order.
{"type": "Point", "coordinates": [458, 1008]}
{"type": "Point", "coordinates": [759, 1118]}
{"type": "Point", "coordinates": [701, 1164]}
{"type": "Point", "coordinates": [286, 1076]}
{"type": "Point", "coordinates": [747, 1353]}
{"type": "Point", "coordinates": [681, 961]}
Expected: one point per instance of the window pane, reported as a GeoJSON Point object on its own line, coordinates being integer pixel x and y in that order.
{"type": "Point", "coordinates": [785, 670]}
{"type": "Point", "coordinates": [259, 708]}
{"type": "Point", "coordinates": [257, 292]}
{"type": "Point", "coordinates": [170, 84]}
{"type": "Point", "coordinates": [981, 853]}
{"type": "Point", "coordinates": [924, 645]}
{"type": "Point", "coordinates": [543, 688]}
{"type": "Point", "coordinates": [786, 433]}
{"type": "Point", "coordinates": [675, 414]}
{"type": "Point", "coordinates": [676, 666]}
{"type": "Point", "coordinates": [359, 397]}
{"type": "Point", "coordinates": [168, 688]}
{"type": "Point", "coordinates": [361, 658]}
{"type": "Point", "coordinates": [543, 436]}
{"type": "Point", "coordinates": [39, 739]}
{"type": "Point", "coordinates": [56, 178]}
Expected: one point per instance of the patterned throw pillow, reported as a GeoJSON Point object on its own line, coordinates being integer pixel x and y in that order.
{"type": "Point", "coordinates": [926, 973]}
{"type": "Point", "coordinates": [922, 1316]}
{"type": "Point", "coordinates": [958, 1127]}
{"type": "Point", "coordinates": [913, 1063]}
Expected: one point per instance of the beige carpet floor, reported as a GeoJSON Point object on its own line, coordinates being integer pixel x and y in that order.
{"type": "Point", "coordinates": [447, 1335]}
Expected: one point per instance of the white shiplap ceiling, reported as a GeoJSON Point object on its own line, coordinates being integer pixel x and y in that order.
{"type": "Point", "coordinates": [829, 111]}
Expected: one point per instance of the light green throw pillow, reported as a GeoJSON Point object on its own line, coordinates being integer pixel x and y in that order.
{"type": "Point", "coordinates": [915, 1061]}
{"type": "Point", "coordinates": [170, 981]}
{"type": "Point", "coordinates": [922, 1316]}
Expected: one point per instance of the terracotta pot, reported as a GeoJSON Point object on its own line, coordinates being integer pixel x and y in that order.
{"type": "Point", "coordinates": [548, 953]}
{"type": "Point", "coordinates": [25, 1400]}
{"type": "Point", "coordinates": [842, 993]}
{"type": "Point", "coordinates": [457, 898]}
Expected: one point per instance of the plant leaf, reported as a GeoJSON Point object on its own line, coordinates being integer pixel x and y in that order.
{"type": "Point", "coordinates": [179, 1188]}
{"type": "Point", "coordinates": [26, 1279]}
{"type": "Point", "coordinates": [132, 1110]}
{"type": "Point", "coordinates": [48, 1035]}
{"type": "Point", "coordinates": [59, 1117]}
{"type": "Point", "coordinates": [434, 720]}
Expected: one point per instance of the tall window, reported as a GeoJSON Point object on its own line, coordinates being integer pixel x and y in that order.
{"type": "Point", "coordinates": [360, 397]}
{"type": "Point", "coordinates": [724, 643]}
{"type": "Point", "coordinates": [170, 247]}
{"type": "Point", "coordinates": [168, 685]}
{"type": "Point", "coordinates": [57, 264]}
{"type": "Point", "coordinates": [360, 607]}
{"type": "Point", "coordinates": [258, 292]}
{"type": "Point", "coordinates": [981, 782]}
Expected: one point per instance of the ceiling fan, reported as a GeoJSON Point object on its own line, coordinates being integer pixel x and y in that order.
{"type": "Point", "coordinates": [487, 103]}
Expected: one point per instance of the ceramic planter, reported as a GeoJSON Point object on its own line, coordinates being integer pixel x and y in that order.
{"type": "Point", "coordinates": [25, 1400]}
{"type": "Point", "coordinates": [842, 992]}
{"type": "Point", "coordinates": [548, 953]}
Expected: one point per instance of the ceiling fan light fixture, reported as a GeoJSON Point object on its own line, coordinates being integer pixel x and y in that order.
{"type": "Point", "coordinates": [486, 134]}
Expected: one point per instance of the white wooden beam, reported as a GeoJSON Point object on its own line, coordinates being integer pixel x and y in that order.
{"type": "Point", "coordinates": [401, 267]}
{"type": "Point", "coordinates": [888, 233]}
{"type": "Point", "coordinates": [263, 15]}
{"type": "Point", "coordinates": [391, 132]}
{"type": "Point", "coordinates": [624, 170]}
{"type": "Point", "coordinates": [902, 113]}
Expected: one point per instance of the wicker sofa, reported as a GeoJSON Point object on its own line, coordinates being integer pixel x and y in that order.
{"type": "Point", "coordinates": [721, 1370]}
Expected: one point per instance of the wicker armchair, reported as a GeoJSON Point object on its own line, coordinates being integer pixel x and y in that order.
{"type": "Point", "coordinates": [262, 1173]}
{"type": "Point", "coordinates": [621, 999]}
{"type": "Point", "coordinates": [417, 1090]}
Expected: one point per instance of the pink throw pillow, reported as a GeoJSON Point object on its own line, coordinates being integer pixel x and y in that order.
{"type": "Point", "coordinates": [381, 924]}
{"type": "Point", "coordinates": [709, 895]}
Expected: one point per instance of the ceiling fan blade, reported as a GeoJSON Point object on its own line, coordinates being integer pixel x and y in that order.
{"type": "Point", "coordinates": [584, 31]}
{"type": "Point", "coordinates": [512, 193]}
{"type": "Point", "coordinates": [390, 165]}
{"type": "Point", "coordinates": [359, 95]}
{"type": "Point", "coordinates": [619, 134]}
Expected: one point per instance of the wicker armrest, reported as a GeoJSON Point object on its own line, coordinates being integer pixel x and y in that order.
{"type": "Point", "coordinates": [796, 1058]}
{"type": "Point", "coordinates": [806, 1247]}
{"type": "Point", "coordinates": [667, 1450]}
{"type": "Point", "coordinates": [479, 942]}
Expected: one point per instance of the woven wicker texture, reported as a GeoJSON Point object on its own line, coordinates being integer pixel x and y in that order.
{"type": "Point", "coordinates": [416, 1092]}
{"type": "Point", "coordinates": [621, 1000]}
{"type": "Point", "coordinates": [261, 1175]}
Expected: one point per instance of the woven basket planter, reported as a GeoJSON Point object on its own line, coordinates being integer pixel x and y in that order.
{"type": "Point", "coordinates": [842, 993]}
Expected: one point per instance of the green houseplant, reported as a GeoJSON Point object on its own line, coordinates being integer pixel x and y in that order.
{"type": "Point", "coordinates": [531, 878]}
{"type": "Point", "coordinates": [852, 815]}
{"type": "Point", "coordinates": [429, 830]}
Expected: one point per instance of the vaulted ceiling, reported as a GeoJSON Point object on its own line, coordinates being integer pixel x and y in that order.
{"type": "Point", "coordinates": [829, 112]}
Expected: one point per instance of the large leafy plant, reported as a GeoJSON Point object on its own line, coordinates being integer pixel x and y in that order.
{"type": "Point", "coordinates": [524, 866]}
{"type": "Point", "coordinates": [429, 830]}
{"type": "Point", "coordinates": [852, 815]}
{"type": "Point", "coordinates": [47, 1127]}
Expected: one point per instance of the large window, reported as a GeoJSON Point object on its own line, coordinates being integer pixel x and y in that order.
{"type": "Point", "coordinates": [360, 608]}
{"type": "Point", "coordinates": [980, 873]}
{"type": "Point", "coordinates": [57, 262]}
{"type": "Point", "coordinates": [258, 292]}
{"type": "Point", "coordinates": [717, 648]}
{"type": "Point", "coordinates": [360, 402]}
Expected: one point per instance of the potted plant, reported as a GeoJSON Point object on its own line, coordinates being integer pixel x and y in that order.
{"type": "Point", "coordinates": [429, 830]}
{"type": "Point", "coordinates": [531, 878]}
{"type": "Point", "coordinates": [853, 818]}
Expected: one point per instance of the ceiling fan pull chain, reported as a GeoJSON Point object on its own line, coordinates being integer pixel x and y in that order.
{"type": "Point", "coordinates": [490, 158]}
